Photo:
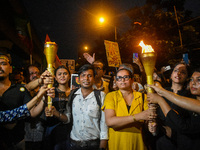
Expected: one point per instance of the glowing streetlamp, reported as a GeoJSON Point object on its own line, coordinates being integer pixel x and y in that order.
{"type": "Point", "coordinates": [85, 48]}
{"type": "Point", "coordinates": [102, 20]}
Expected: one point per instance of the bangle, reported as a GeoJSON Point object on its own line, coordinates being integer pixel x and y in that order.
{"type": "Point", "coordinates": [38, 81]}
{"type": "Point", "coordinates": [60, 114]}
{"type": "Point", "coordinates": [37, 98]}
{"type": "Point", "coordinates": [134, 120]}
{"type": "Point", "coordinates": [44, 101]}
{"type": "Point", "coordinates": [39, 84]}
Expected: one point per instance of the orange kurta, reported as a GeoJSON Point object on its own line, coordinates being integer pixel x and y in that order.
{"type": "Point", "coordinates": [128, 138]}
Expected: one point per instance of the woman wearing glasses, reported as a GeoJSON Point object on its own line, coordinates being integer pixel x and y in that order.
{"type": "Point", "coordinates": [124, 113]}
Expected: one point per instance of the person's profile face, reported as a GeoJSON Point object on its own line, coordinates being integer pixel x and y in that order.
{"type": "Point", "coordinates": [5, 68]}
{"type": "Point", "coordinates": [34, 73]}
{"type": "Point", "coordinates": [99, 69]}
{"type": "Point", "coordinates": [179, 74]}
{"type": "Point", "coordinates": [195, 84]}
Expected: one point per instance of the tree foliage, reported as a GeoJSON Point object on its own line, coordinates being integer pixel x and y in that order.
{"type": "Point", "coordinates": [155, 23]}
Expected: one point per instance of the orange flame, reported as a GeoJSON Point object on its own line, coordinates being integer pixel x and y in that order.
{"type": "Point", "coordinates": [146, 48]}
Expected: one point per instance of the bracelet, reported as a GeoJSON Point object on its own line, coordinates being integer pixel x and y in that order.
{"type": "Point", "coordinates": [37, 98]}
{"type": "Point", "coordinates": [134, 120]}
{"type": "Point", "coordinates": [44, 101]}
{"type": "Point", "coordinates": [60, 114]}
{"type": "Point", "coordinates": [38, 81]}
{"type": "Point", "coordinates": [39, 84]}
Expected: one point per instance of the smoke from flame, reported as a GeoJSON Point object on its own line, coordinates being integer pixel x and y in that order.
{"type": "Point", "coordinates": [146, 48]}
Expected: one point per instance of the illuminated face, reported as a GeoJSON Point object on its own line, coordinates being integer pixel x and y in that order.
{"type": "Point", "coordinates": [62, 76]}
{"type": "Point", "coordinates": [5, 69]}
{"type": "Point", "coordinates": [195, 84]}
{"type": "Point", "coordinates": [99, 69]}
{"type": "Point", "coordinates": [179, 74]}
{"type": "Point", "coordinates": [86, 79]}
{"type": "Point", "coordinates": [34, 73]}
{"type": "Point", "coordinates": [123, 80]}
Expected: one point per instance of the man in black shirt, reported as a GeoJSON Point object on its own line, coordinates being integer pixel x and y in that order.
{"type": "Point", "coordinates": [12, 96]}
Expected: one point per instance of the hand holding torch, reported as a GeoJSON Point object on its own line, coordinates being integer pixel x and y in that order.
{"type": "Point", "coordinates": [50, 50]}
{"type": "Point", "coordinates": [148, 57]}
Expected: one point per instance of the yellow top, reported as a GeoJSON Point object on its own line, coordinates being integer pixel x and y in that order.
{"type": "Point", "coordinates": [106, 86]}
{"type": "Point", "coordinates": [129, 138]}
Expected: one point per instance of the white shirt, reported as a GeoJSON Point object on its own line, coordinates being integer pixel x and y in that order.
{"type": "Point", "coordinates": [86, 115]}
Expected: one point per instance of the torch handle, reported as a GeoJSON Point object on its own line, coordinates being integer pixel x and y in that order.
{"type": "Point", "coordinates": [51, 70]}
{"type": "Point", "coordinates": [152, 106]}
{"type": "Point", "coordinates": [49, 98]}
{"type": "Point", "coordinates": [153, 123]}
{"type": "Point", "coordinates": [150, 82]}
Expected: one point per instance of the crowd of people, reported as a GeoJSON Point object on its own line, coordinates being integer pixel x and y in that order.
{"type": "Point", "coordinates": [103, 114]}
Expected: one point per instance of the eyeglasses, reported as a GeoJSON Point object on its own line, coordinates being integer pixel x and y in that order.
{"type": "Point", "coordinates": [126, 78]}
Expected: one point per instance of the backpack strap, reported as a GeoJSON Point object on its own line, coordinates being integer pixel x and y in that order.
{"type": "Point", "coordinates": [97, 94]}
{"type": "Point", "coordinates": [71, 97]}
{"type": "Point", "coordinates": [143, 100]}
{"type": "Point", "coordinates": [70, 100]}
{"type": "Point", "coordinates": [143, 97]}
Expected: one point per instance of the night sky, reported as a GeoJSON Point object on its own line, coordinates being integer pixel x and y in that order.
{"type": "Point", "coordinates": [73, 23]}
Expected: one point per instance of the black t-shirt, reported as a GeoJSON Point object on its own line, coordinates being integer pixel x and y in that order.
{"type": "Point", "coordinates": [163, 142]}
{"type": "Point", "coordinates": [59, 102]}
{"type": "Point", "coordinates": [181, 111]}
{"type": "Point", "coordinates": [188, 128]}
{"type": "Point", "coordinates": [15, 96]}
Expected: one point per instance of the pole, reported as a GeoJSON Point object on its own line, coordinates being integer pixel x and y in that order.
{"type": "Point", "coordinates": [179, 31]}
{"type": "Point", "coordinates": [31, 59]}
{"type": "Point", "coordinates": [115, 33]}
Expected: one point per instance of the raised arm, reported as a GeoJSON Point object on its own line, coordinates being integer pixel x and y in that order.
{"type": "Point", "coordinates": [36, 110]}
{"type": "Point", "coordinates": [38, 82]}
{"type": "Point", "coordinates": [155, 98]}
{"type": "Point", "coordinates": [22, 111]}
{"type": "Point", "coordinates": [89, 58]}
{"type": "Point", "coordinates": [184, 102]}
{"type": "Point", "coordinates": [137, 62]}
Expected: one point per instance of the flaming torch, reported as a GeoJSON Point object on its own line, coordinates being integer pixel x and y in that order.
{"type": "Point", "coordinates": [50, 50]}
{"type": "Point", "coordinates": [148, 57]}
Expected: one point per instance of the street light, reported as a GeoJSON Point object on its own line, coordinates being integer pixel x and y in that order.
{"type": "Point", "coordinates": [102, 20]}
{"type": "Point", "coordinates": [85, 48]}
